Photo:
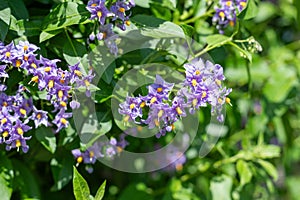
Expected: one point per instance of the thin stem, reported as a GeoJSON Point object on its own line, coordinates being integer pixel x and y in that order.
{"type": "Point", "coordinates": [192, 20]}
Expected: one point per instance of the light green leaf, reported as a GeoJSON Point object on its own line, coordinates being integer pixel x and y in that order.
{"type": "Point", "coordinates": [217, 40]}
{"type": "Point", "coordinates": [244, 171]}
{"type": "Point", "coordinates": [46, 137]}
{"type": "Point", "coordinates": [6, 177]}
{"type": "Point", "coordinates": [269, 167]}
{"type": "Point", "coordinates": [47, 35]}
{"type": "Point", "coordinates": [5, 13]}
{"type": "Point", "coordinates": [250, 11]}
{"type": "Point", "coordinates": [65, 14]}
{"type": "Point", "coordinates": [220, 187]}
{"type": "Point", "coordinates": [80, 187]}
{"type": "Point", "coordinates": [100, 191]}
{"type": "Point", "coordinates": [266, 151]}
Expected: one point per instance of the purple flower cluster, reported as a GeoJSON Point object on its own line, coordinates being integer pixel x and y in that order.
{"type": "Point", "coordinates": [226, 12]}
{"type": "Point", "coordinates": [116, 15]}
{"type": "Point", "coordinates": [18, 110]}
{"type": "Point", "coordinates": [98, 150]}
{"type": "Point", "coordinates": [202, 86]}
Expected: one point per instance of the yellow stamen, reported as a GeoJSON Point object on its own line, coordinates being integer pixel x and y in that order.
{"type": "Point", "coordinates": [194, 102]}
{"type": "Point", "coordinates": [173, 127]}
{"type": "Point", "coordinates": [194, 82]}
{"type": "Point", "coordinates": [179, 167]}
{"type": "Point", "coordinates": [60, 94]}
{"type": "Point", "coordinates": [5, 134]}
{"type": "Point", "coordinates": [179, 111]}
{"type": "Point", "coordinates": [218, 82]}
{"type": "Point", "coordinates": [51, 84]}
{"type": "Point", "coordinates": [197, 72]}
{"type": "Point", "coordinates": [160, 113]}
{"type": "Point", "coordinates": [63, 121]}
{"type": "Point", "coordinates": [139, 128]}
{"type": "Point", "coordinates": [18, 143]}
{"type": "Point", "coordinates": [39, 116]}
{"type": "Point", "coordinates": [220, 101]}
{"type": "Point", "coordinates": [33, 65]}
{"type": "Point", "coordinates": [35, 79]}
{"type": "Point", "coordinates": [156, 122]}
{"type": "Point", "coordinates": [77, 72]}
{"type": "Point", "coordinates": [228, 3]}
{"type": "Point", "coordinates": [204, 94]}
{"type": "Point", "coordinates": [132, 106]}
{"type": "Point", "coordinates": [79, 159]}
{"type": "Point", "coordinates": [26, 58]}
{"type": "Point", "coordinates": [47, 69]}
{"type": "Point", "coordinates": [222, 14]}
{"type": "Point", "coordinates": [18, 63]}
{"type": "Point", "coordinates": [119, 149]}
{"type": "Point", "coordinates": [91, 154]}
{"type": "Point", "coordinates": [104, 35]}
{"type": "Point", "coordinates": [127, 23]}
{"type": "Point", "coordinates": [63, 104]}
{"type": "Point", "coordinates": [25, 48]}
{"type": "Point", "coordinates": [142, 105]}
{"type": "Point", "coordinates": [7, 54]}
{"type": "Point", "coordinates": [23, 111]}
{"type": "Point", "coordinates": [87, 83]}
{"type": "Point", "coordinates": [126, 118]}
{"type": "Point", "coordinates": [122, 10]}
{"type": "Point", "coordinates": [3, 121]}
{"type": "Point", "coordinates": [20, 131]}
{"type": "Point", "coordinates": [94, 4]}
{"type": "Point", "coordinates": [231, 23]}
{"type": "Point", "coordinates": [153, 100]}
{"type": "Point", "coordinates": [243, 4]}
{"type": "Point", "coordinates": [4, 104]}
{"type": "Point", "coordinates": [227, 100]}
{"type": "Point", "coordinates": [99, 14]}
{"type": "Point", "coordinates": [159, 89]}
{"type": "Point", "coordinates": [62, 81]}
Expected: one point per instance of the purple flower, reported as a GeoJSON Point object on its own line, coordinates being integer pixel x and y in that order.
{"type": "Point", "coordinates": [39, 117]}
{"type": "Point", "coordinates": [3, 73]}
{"type": "Point", "coordinates": [131, 108]}
{"type": "Point", "coordinates": [241, 4]}
{"type": "Point", "coordinates": [119, 8]}
{"type": "Point", "coordinates": [17, 141]}
{"type": "Point", "coordinates": [61, 120]}
{"type": "Point", "coordinates": [98, 10]}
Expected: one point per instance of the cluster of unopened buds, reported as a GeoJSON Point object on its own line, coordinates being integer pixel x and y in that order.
{"type": "Point", "coordinates": [109, 15]}
{"type": "Point", "coordinates": [226, 12]}
{"type": "Point", "coordinates": [19, 110]}
{"type": "Point", "coordinates": [202, 86]}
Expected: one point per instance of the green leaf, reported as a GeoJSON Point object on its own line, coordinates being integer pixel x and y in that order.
{"type": "Point", "coordinates": [65, 14]}
{"type": "Point", "coordinates": [73, 51]}
{"type": "Point", "coordinates": [46, 137]}
{"type": "Point", "coordinates": [80, 187]}
{"type": "Point", "coordinates": [5, 13]}
{"type": "Point", "coordinates": [25, 181]}
{"type": "Point", "coordinates": [157, 28]}
{"type": "Point", "coordinates": [250, 11]}
{"type": "Point", "coordinates": [276, 91]}
{"type": "Point", "coordinates": [266, 151]}
{"type": "Point", "coordinates": [100, 191]}
{"type": "Point", "coordinates": [143, 3]}
{"type": "Point", "coordinates": [269, 167]}
{"type": "Point", "coordinates": [25, 28]}
{"type": "Point", "coordinates": [217, 40]}
{"type": "Point", "coordinates": [50, 34]}
{"type": "Point", "coordinates": [134, 192]}
{"type": "Point", "coordinates": [6, 177]}
{"type": "Point", "coordinates": [18, 9]}
{"type": "Point", "coordinates": [109, 73]}
{"type": "Point", "coordinates": [220, 187]}
{"type": "Point", "coordinates": [244, 171]}
{"type": "Point", "coordinates": [61, 167]}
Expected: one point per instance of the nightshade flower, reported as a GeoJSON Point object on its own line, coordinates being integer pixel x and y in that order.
{"type": "Point", "coordinates": [98, 10]}
{"type": "Point", "coordinates": [17, 141]}
{"type": "Point", "coordinates": [61, 120]}
{"type": "Point", "coordinates": [3, 73]}
{"type": "Point", "coordinates": [241, 4]}
{"type": "Point", "coordinates": [131, 108]}
{"type": "Point", "coordinates": [39, 117]}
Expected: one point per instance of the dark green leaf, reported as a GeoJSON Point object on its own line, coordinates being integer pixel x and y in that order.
{"type": "Point", "coordinates": [65, 14]}
{"type": "Point", "coordinates": [47, 35]}
{"type": "Point", "coordinates": [133, 192]}
{"type": "Point", "coordinates": [46, 137]}
{"type": "Point", "coordinates": [100, 191]}
{"type": "Point", "coordinates": [73, 51]}
{"type": "Point", "coordinates": [6, 177]}
{"type": "Point", "coordinates": [25, 181]}
{"type": "Point", "coordinates": [80, 187]}
{"type": "Point", "coordinates": [61, 167]}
